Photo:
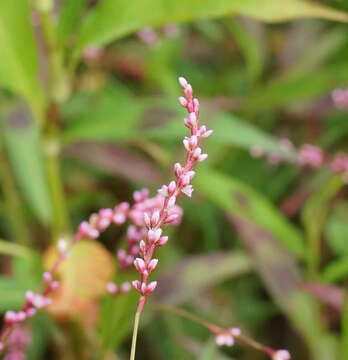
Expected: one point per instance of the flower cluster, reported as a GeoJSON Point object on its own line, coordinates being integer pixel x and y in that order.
{"type": "Point", "coordinates": [307, 155]}
{"type": "Point", "coordinates": [167, 213]}
{"type": "Point", "coordinates": [340, 98]}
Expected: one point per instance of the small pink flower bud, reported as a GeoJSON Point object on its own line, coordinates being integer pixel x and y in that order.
{"type": "Point", "coordinates": [202, 157]}
{"type": "Point", "coordinates": [182, 81]}
{"type": "Point", "coordinates": [187, 190]}
{"type": "Point", "coordinates": [171, 188]}
{"type": "Point", "coordinates": [125, 287]}
{"type": "Point", "coordinates": [47, 277]}
{"type": "Point", "coordinates": [224, 339]}
{"type": "Point", "coordinates": [182, 101]}
{"type": "Point", "coordinates": [29, 296]}
{"type": "Point", "coordinates": [10, 317]}
{"type": "Point", "coordinates": [193, 119]}
{"type": "Point", "coordinates": [197, 153]}
{"type": "Point", "coordinates": [119, 217]}
{"type": "Point", "coordinates": [54, 285]}
{"type": "Point", "coordinates": [186, 144]}
{"type": "Point", "coordinates": [111, 288]}
{"type": "Point", "coordinates": [172, 218]}
{"type": "Point", "coordinates": [171, 202]}
{"type": "Point", "coordinates": [195, 105]}
{"type": "Point", "coordinates": [62, 245]}
{"type": "Point", "coordinates": [207, 133]}
{"type": "Point", "coordinates": [234, 331]}
{"type": "Point", "coordinates": [152, 265]}
{"type": "Point", "coordinates": [151, 287]}
{"type": "Point", "coordinates": [147, 219]}
{"type": "Point", "coordinates": [139, 264]}
{"type": "Point", "coordinates": [143, 288]}
{"type": "Point", "coordinates": [178, 169]}
{"type": "Point", "coordinates": [137, 285]}
{"type": "Point", "coordinates": [154, 235]}
{"type": "Point", "coordinates": [162, 241]}
{"type": "Point", "coordinates": [21, 316]}
{"type": "Point", "coordinates": [31, 312]}
{"type": "Point", "coordinates": [188, 91]}
{"type": "Point", "coordinates": [142, 247]}
{"type": "Point", "coordinates": [155, 218]}
{"type": "Point", "coordinates": [281, 355]}
{"type": "Point", "coordinates": [163, 191]}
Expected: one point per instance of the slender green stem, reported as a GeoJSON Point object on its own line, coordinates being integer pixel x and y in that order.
{"type": "Point", "coordinates": [344, 325]}
{"type": "Point", "coordinates": [13, 202]}
{"type": "Point", "coordinates": [135, 335]}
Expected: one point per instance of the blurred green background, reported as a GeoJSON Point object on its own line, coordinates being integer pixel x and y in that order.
{"type": "Point", "coordinates": [89, 113]}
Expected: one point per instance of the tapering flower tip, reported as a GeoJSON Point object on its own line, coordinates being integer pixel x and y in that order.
{"type": "Point", "coordinates": [224, 339]}
{"type": "Point", "coordinates": [125, 287]}
{"type": "Point", "coordinates": [62, 245]}
{"type": "Point", "coordinates": [154, 235]}
{"type": "Point", "coordinates": [187, 190]}
{"type": "Point", "coordinates": [171, 202]}
{"type": "Point", "coordinates": [281, 355]}
{"type": "Point", "coordinates": [183, 82]}
{"type": "Point", "coordinates": [162, 241]}
{"type": "Point", "coordinates": [140, 265]}
{"type": "Point", "coordinates": [151, 287]}
{"type": "Point", "coordinates": [111, 288]}
{"type": "Point", "coordinates": [152, 265]}
{"type": "Point", "coordinates": [207, 133]}
{"type": "Point", "coordinates": [47, 277]}
{"type": "Point", "coordinates": [183, 101]}
{"type": "Point", "coordinates": [202, 157]}
{"type": "Point", "coordinates": [234, 332]}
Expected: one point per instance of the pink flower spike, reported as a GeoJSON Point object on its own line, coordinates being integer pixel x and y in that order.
{"type": "Point", "coordinates": [151, 287]}
{"type": "Point", "coordinates": [171, 188]}
{"type": "Point", "coordinates": [163, 191]}
{"type": "Point", "coordinates": [171, 202]}
{"type": "Point", "coordinates": [111, 288]}
{"type": "Point", "coordinates": [154, 235]}
{"type": "Point", "coordinates": [281, 355]}
{"type": "Point", "coordinates": [147, 219]}
{"type": "Point", "coordinates": [178, 169]}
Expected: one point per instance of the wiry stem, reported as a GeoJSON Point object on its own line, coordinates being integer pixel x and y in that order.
{"type": "Point", "coordinates": [135, 335]}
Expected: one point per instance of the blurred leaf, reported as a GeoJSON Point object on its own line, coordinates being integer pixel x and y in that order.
{"type": "Point", "coordinates": [289, 89]}
{"type": "Point", "coordinates": [337, 229]}
{"type": "Point", "coordinates": [12, 249]}
{"type": "Point", "coordinates": [23, 144]}
{"type": "Point", "coordinates": [337, 270]}
{"type": "Point", "coordinates": [77, 290]}
{"type": "Point", "coordinates": [281, 276]}
{"type": "Point", "coordinates": [115, 160]}
{"type": "Point", "coordinates": [18, 53]}
{"type": "Point", "coordinates": [69, 17]}
{"type": "Point", "coordinates": [252, 51]}
{"type": "Point", "coordinates": [314, 215]}
{"type": "Point", "coordinates": [184, 281]}
{"type": "Point", "coordinates": [111, 114]}
{"type": "Point", "coordinates": [237, 198]}
{"type": "Point", "coordinates": [12, 294]}
{"type": "Point", "coordinates": [112, 19]}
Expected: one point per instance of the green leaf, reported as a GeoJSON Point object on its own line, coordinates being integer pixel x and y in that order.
{"type": "Point", "coordinates": [314, 215]}
{"type": "Point", "coordinates": [186, 277]}
{"type": "Point", "coordinates": [337, 270]}
{"type": "Point", "coordinates": [238, 199]}
{"type": "Point", "coordinates": [112, 19]}
{"type": "Point", "coordinates": [12, 294]}
{"type": "Point", "coordinates": [110, 115]}
{"type": "Point", "coordinates": [22, 142]}
{"type": "Point", "coordinates": [291, 88]}
{"type": "Point", "coordinates": [18, 53]}
{"type": "Point", "coordinates": [281, 276]}
{"type": "Point", "coordinates": [12, 249]}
